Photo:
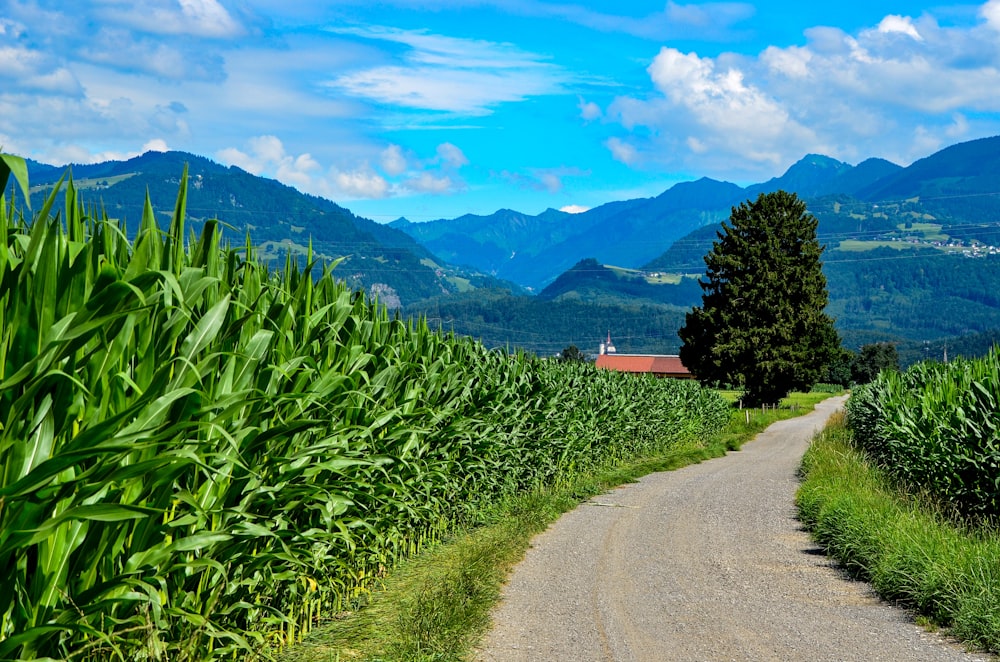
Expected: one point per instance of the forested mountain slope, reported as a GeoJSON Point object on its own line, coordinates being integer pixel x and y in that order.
{"type": "Point", "coordinates": [279, 219]}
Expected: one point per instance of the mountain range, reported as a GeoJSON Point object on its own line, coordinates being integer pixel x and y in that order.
{"type": "Point", "coordinates": [959, 185]}
{"type": "Point", "coordinates": [895, 238]}
{"type": "Point", "coordinates": [912, 256]}
{"type": "Point", "coordinates": [280, 220]}
{"type": "Point", "coordinates": [533, 250]}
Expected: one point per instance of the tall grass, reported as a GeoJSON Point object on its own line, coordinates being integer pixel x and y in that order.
{"type": "Point", "coordinates": [199, 453]}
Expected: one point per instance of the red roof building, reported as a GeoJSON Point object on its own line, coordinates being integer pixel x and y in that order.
{"type": "Point", "coordinates": [654, 364]}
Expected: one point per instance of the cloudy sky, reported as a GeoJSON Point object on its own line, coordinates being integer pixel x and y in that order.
{"type": "Point", "coordinates": [435, 108]}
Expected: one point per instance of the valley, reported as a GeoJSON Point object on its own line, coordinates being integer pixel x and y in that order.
{"type": "Point", "coordinates": [899, 243]}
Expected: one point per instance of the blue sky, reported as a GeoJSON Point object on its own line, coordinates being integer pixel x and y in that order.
{"type": "Point", "coordinates": [435, 108]}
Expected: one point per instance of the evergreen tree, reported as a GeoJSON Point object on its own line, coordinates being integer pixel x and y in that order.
{"type": "Point", "coordinates": [761, 325]}
{"type": "Point", "coordinates": [838, 370]}
{"type": "Point", "coordinates": [873, 359]}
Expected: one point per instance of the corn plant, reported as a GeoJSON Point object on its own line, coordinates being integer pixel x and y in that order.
{"type": "Point", "coordinates": [936, 427]}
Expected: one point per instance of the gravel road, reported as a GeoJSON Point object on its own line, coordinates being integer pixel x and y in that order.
{"type": "Point", "coordinates": [704, 563]}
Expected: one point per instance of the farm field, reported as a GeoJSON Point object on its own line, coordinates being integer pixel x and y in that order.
{"type": "Point", "coordinates": [201, 455]}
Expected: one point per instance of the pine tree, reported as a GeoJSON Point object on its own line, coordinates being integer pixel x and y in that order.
{"type": "Point", "coordinates": [761, 325]}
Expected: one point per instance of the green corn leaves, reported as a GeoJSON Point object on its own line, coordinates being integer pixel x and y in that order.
{"type": "Point", "coordinates": [16, 166]}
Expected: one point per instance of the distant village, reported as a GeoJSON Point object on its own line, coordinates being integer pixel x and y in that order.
{"type": "Point", "coordinates": [970, 248]}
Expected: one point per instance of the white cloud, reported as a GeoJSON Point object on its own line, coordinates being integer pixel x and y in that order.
{"type": "Point", "coordinates": [355, 178]}
{"type": "Point", "coordinates": [266, 155]}
{"type": "Point", "coordinates": [722, 108]}
{"type": "Point", "coordinates": [393, 160]}
{"type": "Point", "coordinates": [202, 18]}
{"type": "Point", "coordinates": [11, 29]}
{"type": "Point", "coordinates": [899, 24]}
{"type": "Point", "coordinates": [959, 127]}
{"type": "Point", "coordinates": [33, 70]}
{"type": "Point", "coordinates": [696, 146]}
{"type": "Point", "coordinates": [210, 17]}
{"type": "Point", "coordinates": [574, 209]}
{"type": "Point", "coordinates": [896, 90]}
{"type": "Point", "coordinates": [155, 145]}
{"type": "Point", "coordinates": [361, 183]}
{"type": "Point", "coordinates": [712, 20]}
{"type": "Point", "coordinates": [551, 181]}
{"type": "Point", "coordinates": [991, 12]}
{"type": "Point", "coordinates": [441, 73]}
{"type": "Point", "coordinates": [543, 179]}
{"type": "Point", "coordinates": [454, 90]}
{"type": "Point", "coordinates": [452, 155]}
{"type": "Point", "coordinates": [67, 153]}
{"type": "Point", "coordinates": [589, 110]}
{"type": "Point", "coordinates": [792, 62]}
{"type": "Point", "coordinates": [622, 151]}
{"type": "Point", "coordinates": [426, 182]}
{"type": "Point", "coordinates": [132, 53]}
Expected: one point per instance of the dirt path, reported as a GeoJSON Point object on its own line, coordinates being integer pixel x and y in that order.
{"type": "Point", "coordinates": [704, 563]}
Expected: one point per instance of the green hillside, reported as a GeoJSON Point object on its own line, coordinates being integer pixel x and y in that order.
{"type": "Point", "coordinates": [899, 292]}
{"type": "Point", "coordinates": [589, 280]}
{"type": "Point", "coordinates": [501, 319]}
{"type": "Point", "coordinates": [280, 220]}
{"type": "Point", "coordinates": [913, 294]}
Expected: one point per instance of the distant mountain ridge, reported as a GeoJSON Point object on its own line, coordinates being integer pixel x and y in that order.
{"type": "Point", "coordinates": [960, 183]}
{"type": "Point", "coordinates": [876, 295]}
{"type": "Point", "coordinates": [532, 250]}
{"type": "Point", "coordinates": [279, 219]}
{"type": "Point", "coordinates": [885, 284]}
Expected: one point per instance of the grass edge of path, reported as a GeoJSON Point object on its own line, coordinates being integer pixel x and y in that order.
{"type": "Point", "coordinates": [947, 575]}
{"type": "Point", "coordinates": [436, 606]}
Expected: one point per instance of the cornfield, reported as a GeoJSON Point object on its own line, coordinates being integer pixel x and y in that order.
{"type": "Point", "coordinates": [936, 428]}
{"type": "Point", "coordinates": [201, 454]}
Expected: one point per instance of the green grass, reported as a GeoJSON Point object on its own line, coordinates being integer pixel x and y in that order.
{"type": "Point", "coordinates": [855, 245]}
{"type": "Point", "coordinates": [665, 279]}
{"type": "Point", "coordinates": [929, 231]}
{"type": "Point", "coordinates": [461, 284]}
{"type": "Point", "coordinates": [436, 606]}
{"type": "Point", "coordinates": [792, 402]}
{"type": "Point", "coordinates": [272, 250]}
{"type": "Point", "coordinates": [911, 553]}
{"type": "Point", "coordinates": [661, 278]}
{"type": "Point", "coordinates": [87, 184]}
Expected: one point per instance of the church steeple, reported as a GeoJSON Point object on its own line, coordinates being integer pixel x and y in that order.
{"type": "Point", "coordinates": [609, 348]}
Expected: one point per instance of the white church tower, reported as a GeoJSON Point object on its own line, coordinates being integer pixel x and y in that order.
{"type": "Point", "coordinates": [608, 347]}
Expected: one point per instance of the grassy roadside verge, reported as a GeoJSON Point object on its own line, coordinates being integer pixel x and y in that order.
{"type": "Point", "coordinates": [435, 606]}
{"type": "Point", "coordinates": [949, 575]}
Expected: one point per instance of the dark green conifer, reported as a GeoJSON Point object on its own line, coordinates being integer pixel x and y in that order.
{"type": "Point", "coordinates": [762, 326]}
